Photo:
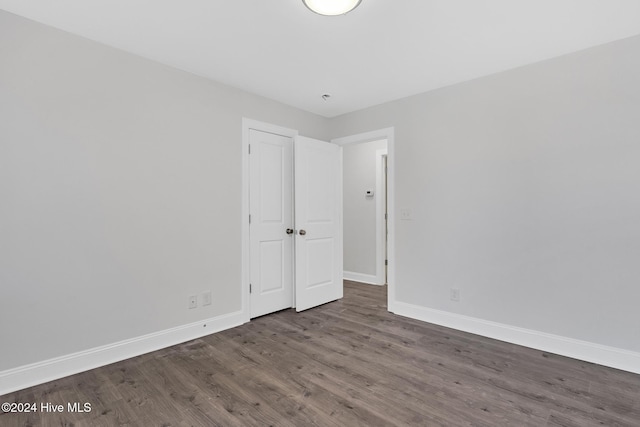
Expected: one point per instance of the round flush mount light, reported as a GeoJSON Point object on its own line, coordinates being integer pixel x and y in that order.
{"type": "Point", "coordinates": [331, 7]}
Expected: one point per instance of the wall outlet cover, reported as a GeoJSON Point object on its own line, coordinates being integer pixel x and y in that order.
{"type": "Point", "coordinates": [406, 214]}
{"type": "Point", "coordinates": [193, 301]}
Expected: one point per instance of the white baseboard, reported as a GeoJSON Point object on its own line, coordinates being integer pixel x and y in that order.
{"type": "Point", "coordinates": [370, 279]}
{"type": "Point", "coordinates": [41, 372]}
{"type": "Point", "coordinates": [582, 350]}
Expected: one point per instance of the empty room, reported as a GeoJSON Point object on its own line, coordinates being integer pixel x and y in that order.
{"type": "Point", "coordinates": [320, 213]}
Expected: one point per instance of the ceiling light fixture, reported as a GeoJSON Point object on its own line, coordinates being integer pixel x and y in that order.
{"type": "Point", "coordinates": [331, 7]}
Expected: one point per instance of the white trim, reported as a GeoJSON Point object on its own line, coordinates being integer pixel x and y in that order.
{"type": "Point", "coordinates": [389, 135]}
{"type": "Point", "coordinates": [48, 370]}
{"type": "Point", "coordinates": [375, 135]}
{"type": "Point", "coordinates": [369, 279]}
{"type": "Point", "coordinates": [247, 125]}
{"type": "Point", "coordinates": [380, 228]}
{"type": "Point", "coordinates": [582, 350]}
{"type": "Point", "coordinates": [340, 237]}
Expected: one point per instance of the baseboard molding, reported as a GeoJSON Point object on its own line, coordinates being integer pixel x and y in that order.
{"type": "Point", "coordinates": [359, 277]}
{"type": "Point", "coordinates": [41, 372]}
{"type": "Point", "coordinates": [582, 350]}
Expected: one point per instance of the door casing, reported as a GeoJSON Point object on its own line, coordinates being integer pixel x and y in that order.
{"type": "Point", "coordinates": [381, 221]}
{"type": "Point", "coordinates": [389, 135]}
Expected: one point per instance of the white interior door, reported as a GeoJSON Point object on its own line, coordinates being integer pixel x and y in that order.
{"type": "Point", "coordinates": [318, 212]}
{"type": "Point", "coordinates": [271, 210]}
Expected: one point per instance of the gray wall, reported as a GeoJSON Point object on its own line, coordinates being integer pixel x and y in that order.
{"type": "Point", "coordinates": [119, 192]}
{"type": "Point", "coordinates": [524, 190]}
{"type": "Point", "coordinates": [359, 166]}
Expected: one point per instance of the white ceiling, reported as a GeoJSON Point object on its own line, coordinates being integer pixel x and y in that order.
{"type": "Point", "coordinates": [384, 50]}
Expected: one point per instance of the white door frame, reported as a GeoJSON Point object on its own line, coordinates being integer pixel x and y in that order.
{"type": "Point", "coordinates": [376, 135]}
{"type": "Point", "coordinates": [247, 125]}
{"type": "Point", "coordinates": [380, 220]}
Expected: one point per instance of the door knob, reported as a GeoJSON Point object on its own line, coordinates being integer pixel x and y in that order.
{"type": "Point", "coordinates": [289, 230]}
{"type": "Point", "coordinates": [302, 232]}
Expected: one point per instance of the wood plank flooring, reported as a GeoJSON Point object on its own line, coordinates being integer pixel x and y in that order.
{"type": "Point", "coordinates": [347, 363]}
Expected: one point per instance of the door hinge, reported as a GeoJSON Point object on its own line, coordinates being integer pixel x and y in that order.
{"type": "Point", "coordinates": [250, 290]}
{"type": "Point", "coordinates": [386, 262]}
{"type": "Point", "coordinates": [249, 148]}
{"type": "Point", "coordinates": [386, 216]}
{"type": "Point", "coordinates": [249, 218]}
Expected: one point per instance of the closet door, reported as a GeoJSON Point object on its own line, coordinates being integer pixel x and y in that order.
{"type": "Point", "coordinates": [271, 227]}
{"type": "Point", "coordinates": [318, 218]}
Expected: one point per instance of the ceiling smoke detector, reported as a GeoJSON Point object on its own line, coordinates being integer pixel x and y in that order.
{"type": "Point", "coordinates": [331, 7]}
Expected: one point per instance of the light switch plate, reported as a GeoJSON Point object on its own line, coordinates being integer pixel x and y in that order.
{"type": "Point", "coordinates": [206, 298]}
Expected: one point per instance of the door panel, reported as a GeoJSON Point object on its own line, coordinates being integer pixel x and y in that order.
{"type": "Point", "coordinates": [320, 270]}
{"type": "Point", "coordinates": [272, 261]}
{"type": "Point", "coordinates": [318, 210]}
{"type": "Point", "coordinates": [271, 209]}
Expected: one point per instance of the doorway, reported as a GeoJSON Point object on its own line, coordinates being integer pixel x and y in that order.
{"type": "Point", "coordinates": [364, 211]}
{"type": "Point", "coordinates": [384, 163]}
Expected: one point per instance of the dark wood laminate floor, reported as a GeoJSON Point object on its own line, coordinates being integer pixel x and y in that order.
{"type": "Point", "coordinates": [347, 363]}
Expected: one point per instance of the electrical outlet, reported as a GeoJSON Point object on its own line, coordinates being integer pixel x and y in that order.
{"type": "Point", "coordinates": [406, 214]}
{"type": "Point", "coordinates": [193, 301]}
{"type": "Point", "coordinates": [455, 294]}
{"type": "Point", "coordinates": [206, 298]}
